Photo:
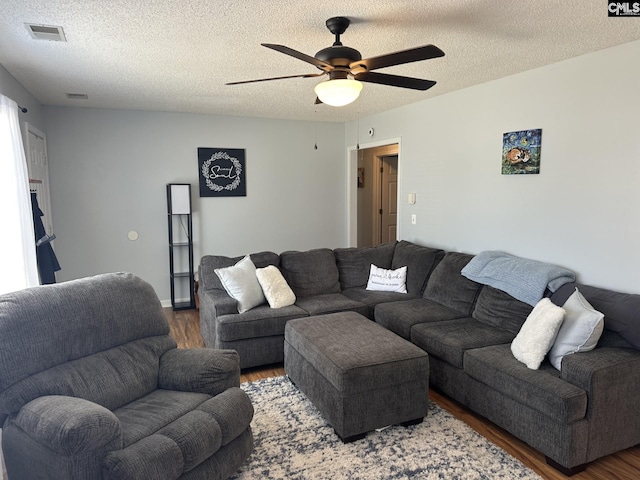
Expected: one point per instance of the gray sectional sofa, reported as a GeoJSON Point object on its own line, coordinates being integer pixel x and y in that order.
{"type": "Point", "coordinates": [323, 280]}
{"type": "Point", "coordinates": [586, 410]}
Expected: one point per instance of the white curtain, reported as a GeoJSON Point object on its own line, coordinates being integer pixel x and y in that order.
{"type": "Point", "coordinates": [18, 264]}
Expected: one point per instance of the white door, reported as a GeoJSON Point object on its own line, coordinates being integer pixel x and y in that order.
{"type": "Point", "coordinates": [389, 199]}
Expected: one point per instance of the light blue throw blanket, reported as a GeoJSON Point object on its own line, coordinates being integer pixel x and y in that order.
{"type": "Point", "coordinates": [521, 278]}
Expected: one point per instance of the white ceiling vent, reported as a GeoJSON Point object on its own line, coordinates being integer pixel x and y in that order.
{"type": "Point", "coordinates": [46, 32]}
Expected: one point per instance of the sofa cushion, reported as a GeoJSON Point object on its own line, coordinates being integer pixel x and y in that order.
{"type": "Point", "coordinates": [148, 414]}
{"type": "Point", "coordinates": [330, 303]}
{"type": "Point", "coordinates": [354, 263]}
{"type": "Point", "coordinates": [449, 288]}
{"type": "Point", "coordinates": [262, 321]}
{"type": "Point", "coordinates": [535, 338]}
{"type": "Point", "coordinates": [420, 262]}
{"type": "Point", "coordinates": [621, 310]}
{"type": "Point", "coordinates": [612, 339]}
{"type": "Point", "coordinates": [542, 389]}
{"type": "Point", "coordinates": [178, 439]}
{"type": "Point", "coordinates": [580, 330]}
{"type": "Point", "coordinates": [374, 299]}
{"type": "Point", "coordinates": [448, 340]}
{"type": "Point", "coordinates": [241, 283]}
{"type": "Point", "coordinates": [208, 280]}
{"type": "Point", "coordinates": [385, 280]}
{"type": "Point", "coordinates": [313, 272]}
{"type": "Point", "coordinates": [400, 316]}
{"type": "Point", "coordinates": [499, 309]}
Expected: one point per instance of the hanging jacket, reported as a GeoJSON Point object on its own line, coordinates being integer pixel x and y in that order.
{"type": "Point", "coordinates": [47, 261]}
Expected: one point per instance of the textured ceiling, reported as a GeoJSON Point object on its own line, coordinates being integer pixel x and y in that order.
{"type": "Point", "coordinates": [176, 55]}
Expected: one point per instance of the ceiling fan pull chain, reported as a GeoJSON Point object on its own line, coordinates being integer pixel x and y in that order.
{"type": "Point", "coordinates": [315, 130]}
{"type": "Point", "coordinates": [358, 133]}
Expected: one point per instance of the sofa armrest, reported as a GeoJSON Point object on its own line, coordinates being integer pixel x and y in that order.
{"type": "Point", "coordinates": [602, 368]}
{"type": "Point", "coordinates": [215, 303]}
{"type": "Point", "coordinates": [611, 378]}
{"type": "Point", "coordinates": [201, 370]}
{"type": "Point", "coordinates": [69, 425]}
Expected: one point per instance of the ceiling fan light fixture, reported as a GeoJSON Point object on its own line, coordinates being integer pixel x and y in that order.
{"type": "Point", "coordinates": [338, 93]}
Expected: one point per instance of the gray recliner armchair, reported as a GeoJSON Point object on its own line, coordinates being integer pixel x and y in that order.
{"type": "Point", "coordinates": [93, 387]}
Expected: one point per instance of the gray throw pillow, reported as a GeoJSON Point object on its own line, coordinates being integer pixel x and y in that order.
{"type": "Point", "coordinates": [580, 331]}
{"type": "Point", "coordinates": [241, 283]}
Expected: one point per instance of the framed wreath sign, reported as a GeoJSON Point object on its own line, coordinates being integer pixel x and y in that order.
{"type": "Point", "coordinates": [222, 172]}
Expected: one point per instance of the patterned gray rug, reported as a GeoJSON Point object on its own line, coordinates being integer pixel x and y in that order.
{"type": "Point", "coordinates": [292, 441]}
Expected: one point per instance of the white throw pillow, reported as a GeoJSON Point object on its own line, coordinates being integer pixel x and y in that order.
{"type": "Point", "coordinates": [537, 334]}
{"type": "Point", "coordinates": [580, 331]}
{"type": "Point", "coordinates": [241, 283]}
{"type": "Point", "coordinates": [275, 287]}
{"type": "Point", "coordinates": [384, 280]}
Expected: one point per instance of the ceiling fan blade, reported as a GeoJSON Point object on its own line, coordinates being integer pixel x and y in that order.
{"type": "Point", "coordinates": [300, 56]}
{"type": "Point", "coordinates": [307, 75]}
{"type": "Point", "coordinates": [395, 80]}
{"type": "Point", "coordinates": [398, 58]}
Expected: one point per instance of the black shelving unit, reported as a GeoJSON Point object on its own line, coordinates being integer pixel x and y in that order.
{"type": "Point", "coordinates": [181, 272]}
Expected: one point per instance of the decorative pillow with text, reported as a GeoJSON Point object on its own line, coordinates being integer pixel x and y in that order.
{"type": "Point", "coordinates": [383, 280]}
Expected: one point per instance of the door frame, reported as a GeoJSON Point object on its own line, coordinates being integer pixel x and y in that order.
{"type": "Point", "coordinates": [352, 187]}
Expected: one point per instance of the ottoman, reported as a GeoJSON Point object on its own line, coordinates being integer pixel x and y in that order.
{"type": "Point", "coordinates": [358, 374]}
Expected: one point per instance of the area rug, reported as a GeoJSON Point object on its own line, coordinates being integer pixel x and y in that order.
{"type": "Point", "coordinates": [293, 441]}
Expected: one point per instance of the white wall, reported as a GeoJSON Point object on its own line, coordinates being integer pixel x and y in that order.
{"type": "Point", "coordinates": [109, 169]}
{"type": "Point", "coordinates": [581, 211]}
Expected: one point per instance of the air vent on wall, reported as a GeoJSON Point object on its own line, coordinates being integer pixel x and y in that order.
{"type": "Point", "coordinates": [77, 96]}
{"type": "Point", "coordinates": [46, 32]}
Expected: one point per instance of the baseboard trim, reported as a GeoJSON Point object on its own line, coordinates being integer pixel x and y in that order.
{"type": "Point", "coordinates": [167, 303]}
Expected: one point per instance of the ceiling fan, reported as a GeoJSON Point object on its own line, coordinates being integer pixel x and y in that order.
{"type": "Point", "coordinates": [346, 69]}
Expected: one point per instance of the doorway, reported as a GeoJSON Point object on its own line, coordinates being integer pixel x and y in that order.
{"type": "Point", "coordinates": [377, 195]}
{"type": "Point", "coordinates": [388, 200]}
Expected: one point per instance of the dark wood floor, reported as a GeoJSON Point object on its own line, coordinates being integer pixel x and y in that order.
{"type": "Point", "coordinates": [185, 328]}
